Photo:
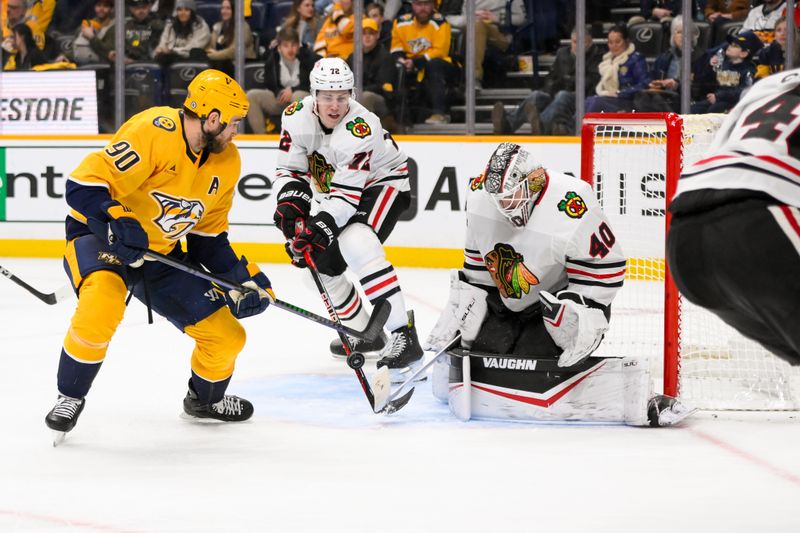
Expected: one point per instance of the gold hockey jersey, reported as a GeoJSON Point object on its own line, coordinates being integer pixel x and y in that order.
{"type": "Point", "coordinates": [149, 167]}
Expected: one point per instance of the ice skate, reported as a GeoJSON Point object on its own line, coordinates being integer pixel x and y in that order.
{"type": "Point", "coordinates": [228, 409]}
{"type": "Point", "coordinates": [371, 349]}
{"type": "Point", "coordinates": [63, 417]}
{"type": "Point", "coordinates": [403, 355]}
{"type": "Point", "coordinates": [665, 411]}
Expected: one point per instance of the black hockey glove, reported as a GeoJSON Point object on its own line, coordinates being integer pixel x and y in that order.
{"type": "Point", "coordinates": [297, 260]}
{"type": "Point", "coordinates": [122, 230]}
{"type": "Point", "coordinates": [316, 236]}
{"type": "Point", "coordinates": [294, 201]}
{"type": "Point", "coordinates": [257, 298]}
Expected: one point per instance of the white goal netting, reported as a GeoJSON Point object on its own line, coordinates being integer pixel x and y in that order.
{"type": "Point", "coordinates": [632, 160]}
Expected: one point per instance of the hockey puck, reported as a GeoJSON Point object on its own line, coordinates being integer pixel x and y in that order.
{"type": "Point", "coordinates": [355, 360]}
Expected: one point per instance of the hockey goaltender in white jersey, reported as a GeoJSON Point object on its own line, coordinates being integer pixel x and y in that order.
{"type": "Point", "coordinates": [532, 302]}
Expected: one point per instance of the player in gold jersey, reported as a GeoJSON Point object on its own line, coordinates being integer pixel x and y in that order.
{"type": "Point", "coordinates": [166, 174]}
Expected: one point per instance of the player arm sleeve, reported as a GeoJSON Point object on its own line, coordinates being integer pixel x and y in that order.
{"type": "Point", "coordinates": [474, 269]}
{"type": "Point", "coordinates": [213, 252]}
{"type": "Point", "coordinates": [292, 160]}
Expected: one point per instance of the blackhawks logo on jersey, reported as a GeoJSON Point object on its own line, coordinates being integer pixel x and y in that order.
{"type": "Point", "coordinates": [573, 205]}
{"type": "Point", "coordinates": [477, 182]}
{"type": "Point", "coordinates": [321, 171]}
{"type": "Point", "coordinates": [178, 215]}
{"type": "Point", "coordinates": [293, 108]}
{"type": "Point", "coordinates": [511, 276]}
{"type": "Point", "coordinates": [358, 127]}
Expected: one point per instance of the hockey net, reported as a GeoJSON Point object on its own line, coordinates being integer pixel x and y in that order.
{"type": "Point", "coordinates": [633, 161]}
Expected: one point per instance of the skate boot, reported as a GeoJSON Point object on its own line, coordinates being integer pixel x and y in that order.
{"type": "Point", "coordinates": [665, 411]}
{"type": "Point", "coordinates": [403, 355]}
{"type": "Point", "coordinates": [63, 417]}
{"type": "Point", "coordinates": [228, 409]}
{"type": "Point", "coordinates": [370, 349]}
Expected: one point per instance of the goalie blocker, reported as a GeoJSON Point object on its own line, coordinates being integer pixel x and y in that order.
{"type": "Point", "coordinates": [610, 390]}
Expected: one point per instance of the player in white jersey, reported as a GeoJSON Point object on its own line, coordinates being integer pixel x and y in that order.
{"type": "Point", "coordinates": [734, 242]}
{"type": "Point", "coordinates": [360, 180]}
{"type": "Point", "coordinates": [532, 302]}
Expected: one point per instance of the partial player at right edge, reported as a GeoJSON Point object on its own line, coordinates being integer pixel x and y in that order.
{"type": "Point", "coordinates": [734, 243]}
{"type": "Point", "coordinates": [532, 303]}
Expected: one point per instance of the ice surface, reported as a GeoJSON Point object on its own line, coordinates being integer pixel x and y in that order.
{"type": "Point", "coordinates": [314, 458]}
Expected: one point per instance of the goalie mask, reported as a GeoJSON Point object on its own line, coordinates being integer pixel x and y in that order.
{"type": "Point", "coordinates": [514, 180]}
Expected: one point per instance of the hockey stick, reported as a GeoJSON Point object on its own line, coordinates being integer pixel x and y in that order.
{"type": "Point", "coordinates": [379, 383]}
{"type": "Point", "coordinates": [373, 330]}
{"type": "Point", "coordinates": [49, 298]}
{"type": "Point", "coordinates": [355, 360]}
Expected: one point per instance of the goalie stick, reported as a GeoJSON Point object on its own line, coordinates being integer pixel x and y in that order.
{"type": "Point", "coordinates": [384, 382]}
{"type": "Point", "coordinates": [52, 298]}
{"type": "Point", "coordinates": [355, 360]}
{"type": "Point", "coordinates": [373, 330]}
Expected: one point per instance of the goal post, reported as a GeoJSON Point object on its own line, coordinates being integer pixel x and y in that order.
{"type": "Point", "coordinates": [633, 162]}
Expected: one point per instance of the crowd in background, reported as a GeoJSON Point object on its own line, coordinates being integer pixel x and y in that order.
{"type": "Point", "coordinates": [413, 52]}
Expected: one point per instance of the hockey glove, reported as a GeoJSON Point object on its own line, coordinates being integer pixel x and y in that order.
{"type": "Point", "coordinates": [253, 301]}
{"type": "Point", "coordinates": [574, 326]}
{"type": "Point", "coordinates": [316, 236]}
{"type": "Point", "coordinates": [294, 201]}
{"type": "Point", "coordinates": [122, 231]}
{"type": "Point", "coordinates": [465, 311]}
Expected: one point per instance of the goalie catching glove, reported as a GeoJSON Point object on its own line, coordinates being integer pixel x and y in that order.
{"type": "Point", "coordinates": [574, 326]}
{"type": "Point", "coordinates": [465, 311]}
{"type": "Point", "coordinates": [253, 301]}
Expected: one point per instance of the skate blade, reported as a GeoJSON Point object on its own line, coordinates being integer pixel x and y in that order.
{"type": "Point", "coordinates": [398, 376]}
{"type": "Point", "coordinates": [199, 420]}
{"type": "Point", "coordinates": [58, 437]}
{"type": "Point", "coordinates": [369, 356]}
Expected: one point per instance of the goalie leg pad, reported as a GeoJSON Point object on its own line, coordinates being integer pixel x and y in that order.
{"type": "Point", "coordinates": [440, 378]}
{"type": "Point", "coordinates": [638, 390]}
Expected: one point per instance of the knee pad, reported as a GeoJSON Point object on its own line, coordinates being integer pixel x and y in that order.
{"type": "Point", "coordinates": [219, 340]}
{"type": "Point", "coordinates": [360, 246]}
{"type": "Point", "coordinates": [101, 306]}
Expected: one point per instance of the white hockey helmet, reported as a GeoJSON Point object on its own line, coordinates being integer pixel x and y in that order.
{"type": "Point", "coordinates": [514, 179]}
{"type": "Point", "coordinates": [331, 74]}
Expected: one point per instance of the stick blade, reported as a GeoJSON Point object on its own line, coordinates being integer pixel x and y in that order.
{"type": "Point", "coordinates": [380, 314]}
{"type": "Point", "coordinates": [382, 388]}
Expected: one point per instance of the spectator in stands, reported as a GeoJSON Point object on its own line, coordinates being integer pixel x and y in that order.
{"type": "Point", "coordinates": [304, 20]}
{"type": "Point", "coordinates": [772, 58]}
{"type": "Point", "coordinates": [663, 93]}
{"type": "Point", "coordinates": [335, 38]}
{"type": "Point", "coordinates": [142, 33]}
{"type": "Point", "coordinates": [37, 17]}
{"type": "Point", "coordinates": [719, 12]}
{"type": "Point", "coordinates": [28, 54]}
{"type": "Point", "coordinates": [623, 73]}
{"type": "Point", "coordinates": [421, 43]}
{"type": "Point", "coordinates": [734, 74]}
{"type": "Point", "coordinates": [375, 12]}
{"type": "Point", "coordinates": [221, 49]}
{"type": "Point", "coordinates": [68, 15]}
{"type": "Point", "coordinates": [551, 110]}
{"type": "Point", "coordinates": [379, 75]}
{"type": "Point", "coordinates": [286, 79]}
{"type": "Point", "coordinates": [656, 11]}
{"type": "Point", "coordinates": [95, 38]}
{"type": "Point", "coordinates": [490, 17]}
{"type": "Point", "coordinates": [164, 9]}
{"type": "Point", "coordinates": [185, 36]}
{"type": "Point", "coordinates": [15, 14]}
{"type": "Point", "coordinates": [762, 19]}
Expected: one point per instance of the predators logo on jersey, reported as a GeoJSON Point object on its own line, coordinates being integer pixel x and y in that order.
{"type": "Point", "coordinates": [178, 216]}
{"type": "Point", "coordinates": [573, 205]}
{"type": "Point", "coordinates": [419, 45]}
{"type": "Point", "coordinates": [358, 127]}
{"type": "Point", "coordinates": [321, 171]}
{"type": "Point", "coordinates": [508, 272]}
